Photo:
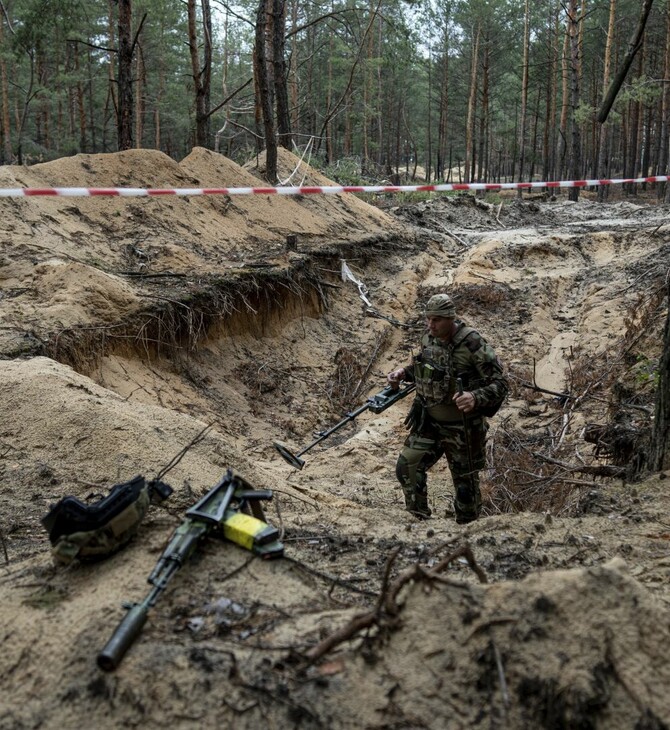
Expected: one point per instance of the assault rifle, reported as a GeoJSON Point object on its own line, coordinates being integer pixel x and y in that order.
{"type": "Point", "coordinates": [376, 403]}
{"type": "Point", "coordinates": [231, 509]}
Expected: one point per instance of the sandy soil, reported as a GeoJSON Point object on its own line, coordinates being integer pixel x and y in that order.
{"type": "Point", "coordinates": [128, 326]}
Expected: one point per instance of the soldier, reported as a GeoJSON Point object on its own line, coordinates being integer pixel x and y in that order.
{"type": "Point", "coordinates": [459, 382]}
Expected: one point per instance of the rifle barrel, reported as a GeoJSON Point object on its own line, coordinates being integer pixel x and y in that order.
{"type": "Point", "coordinates": [126, 632]}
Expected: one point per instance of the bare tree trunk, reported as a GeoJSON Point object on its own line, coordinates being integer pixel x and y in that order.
{"type": "Point", "coordinates": [329, 102]}
{"type": "Point", "coordinates": [367, 91]}
{"type": "Point", "coordinates": [264, 88]}
{"type": "Point", "coordinates": [81, 107]}
{"type": "Point", "coordinates": [379, 104]}
{"type": "Point", "coordinates": [602, 160]}
{"type": "Point", "coordinates": [111, 106]}
{"type": "Point", "coordinates": [484, 120]}
{"type": "Point", "coordinates": [442, 134]}
{"type": "Point", "coordinates": [4, 88]}
{"type": "Point", "coordinates": [664, 156]}
{"type": "Point", "coordinates": [550, 136]}
{"type": "Point", "coordinates": [91, 105]}
{"type": "Point", "coordinates": [469, 125]}
{"type": "Point", "coordinates": [202, 74]}
{"type": "Point", "coordinates": [561, 152]}
{"type": "Point", "coordinates": [124, 117]}
{"type": "Point", "coordinates": [429, 130]}
{"type": "Point", "coordinates": [293, 70]}
{"type": "Point", "coordinates": [524, 94]}
{"type": "Point", "coordinates": [632, 145]}
{"type": "Point", "coordinates": [573, 21]}
{"type": "Point", "coordinates": [139, 98]}
{"type": "Point", "coordinates": [534, 136]}
{"type": "Point", "coordinates": [280, 77]}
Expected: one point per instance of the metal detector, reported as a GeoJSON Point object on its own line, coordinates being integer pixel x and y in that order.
{"type": "Point", "coordinates": [375, 403]}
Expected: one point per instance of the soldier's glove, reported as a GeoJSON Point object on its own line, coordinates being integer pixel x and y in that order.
{"type": "Point", "coordinates": [416, 417]}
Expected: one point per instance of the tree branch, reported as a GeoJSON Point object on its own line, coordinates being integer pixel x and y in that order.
{"type": "Point", "coordinates": [633, 47]}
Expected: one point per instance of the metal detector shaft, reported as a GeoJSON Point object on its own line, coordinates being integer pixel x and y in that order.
{"type": "Point", "coordinates": [376, 403]}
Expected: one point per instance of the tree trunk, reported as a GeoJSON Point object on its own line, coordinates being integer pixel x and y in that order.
{"type": "Point", "coordinates": [659, 451]}
{"type": "Point", "coordinates": [141, 74]}
{"type": "Point", "coordinates": [124, 117]}
{"type": "Point", "coordinates": [549, 140]}
{"type": "Point", "coordinates": [561, 152]}
{"type": "Point", "coordinates": [111, 108]}
{"type": "Point", "coordinates": [484, 119]}
{"type": "Point", "coordinates": [664, 156]}
{"type": "Point", "coordinates": [293, 68]}
{"type": "Point", "coordinates": [280, 76]}
{"type": "Point", "coordinates": [429, 126]}
{"type": "Point", "coordinates": [264, 89]}
{"type": "Point", "coordinates": [4, 88]}
{"type": "Point", "coordinates": [442, 133]}
{"type": "Point", "coordinates": [632, 146]}
{"type": "Point", "coordinates": [469, 125]}
{"type": "Point", "coordinates": [202, 74]}
{"type": "Point", "coordinates": [330, 153]}
{"type": "Point", "coordinates": [602, 160]}
{"type": "Point", "coordinates": [367, 93]}
{"type": "Point", "coordinates": [524, 94]}
{"type": "Point", "coordinates": [81, 106]}
{"type": "Point", "coordinates": [575, 142]}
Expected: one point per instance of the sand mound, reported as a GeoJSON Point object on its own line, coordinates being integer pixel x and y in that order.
{"type": "Point", "coordinates": [180, 314]}
{"type": "Point", "coordinates": [460, 653]}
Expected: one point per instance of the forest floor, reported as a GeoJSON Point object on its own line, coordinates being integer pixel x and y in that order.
{"type": "Point", "coordinates": [127, 326]}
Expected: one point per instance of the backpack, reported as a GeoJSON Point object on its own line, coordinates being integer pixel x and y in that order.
{"type": "Point", "coordinates": [92, 531]}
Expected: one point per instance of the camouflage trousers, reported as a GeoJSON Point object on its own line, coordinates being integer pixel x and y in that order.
{"type": "Point", "coordinates": [422, 450]}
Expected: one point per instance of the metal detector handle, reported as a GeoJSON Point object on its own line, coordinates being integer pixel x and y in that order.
{"type": "Point", "coordinates": [388, 397]}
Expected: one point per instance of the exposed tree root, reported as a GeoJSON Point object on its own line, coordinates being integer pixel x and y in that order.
{"type": "Point", "coordinates": [384, 615]}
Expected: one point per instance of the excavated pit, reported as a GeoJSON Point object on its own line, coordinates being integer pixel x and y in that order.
{"type": "Point", "coordinates": [119, 372]}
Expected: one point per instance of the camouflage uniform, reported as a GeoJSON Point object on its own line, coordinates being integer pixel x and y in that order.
{"type": "Point", "coordinates": [437, 427]}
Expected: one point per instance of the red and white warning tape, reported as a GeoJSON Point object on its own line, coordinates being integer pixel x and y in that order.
{"type": "Point", "coordinates": [311, 190]}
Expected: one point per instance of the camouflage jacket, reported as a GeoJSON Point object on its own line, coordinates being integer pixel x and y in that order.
{"type": "Point", "coordinates": [467, 356]}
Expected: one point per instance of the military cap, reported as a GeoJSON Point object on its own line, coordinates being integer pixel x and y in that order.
{"type": "Point", "coordinates": [440, 305]}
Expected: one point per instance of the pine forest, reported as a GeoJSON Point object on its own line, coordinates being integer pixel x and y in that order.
{"type": "Point", "coordinates": [393, 90]}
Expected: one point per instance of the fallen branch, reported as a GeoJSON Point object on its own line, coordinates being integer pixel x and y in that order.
{"type": "Point", "coordinates": [602, 470]}
{"type": "Point", "coordinates": [330, 578]}
{"type": "Point", "coordinates": [359, 622]}
{"type": "Point", "coordinates": [386, 609]}
{"type": "Point", "coordinates": [457, 239]}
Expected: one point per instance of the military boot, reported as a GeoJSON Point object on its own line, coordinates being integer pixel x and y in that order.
{"type": "Point", "coordinates": [410, 500]}
{"type": "Point", "coordinates": [467, 504]}
{"type": "Point", "coordinates": [421, 508]}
